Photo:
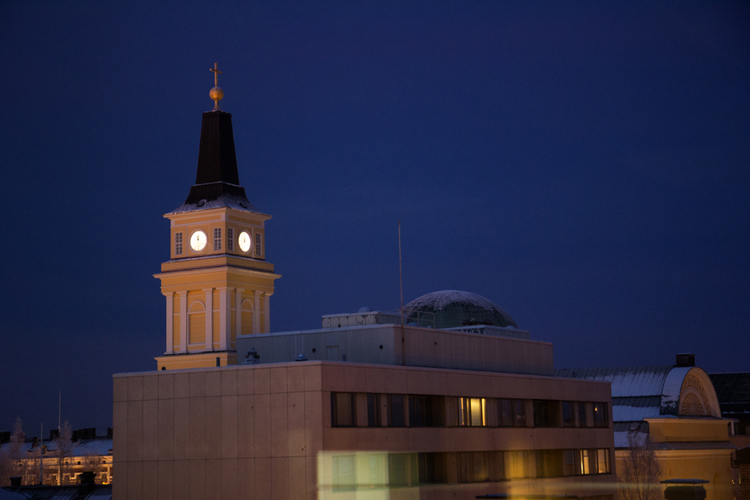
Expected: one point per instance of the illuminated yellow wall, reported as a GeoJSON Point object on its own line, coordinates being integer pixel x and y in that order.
{"type": "Point", "coordinates": [214, 294]}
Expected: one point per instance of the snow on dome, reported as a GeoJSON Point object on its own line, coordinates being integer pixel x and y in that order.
{"type": "Point", "coordinates": [440, 300]}
{"type": "Point", "coordinates": [454, 308]}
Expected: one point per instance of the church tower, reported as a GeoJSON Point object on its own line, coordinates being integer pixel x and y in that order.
{"type": "Point", "coordinates": [217, 282]}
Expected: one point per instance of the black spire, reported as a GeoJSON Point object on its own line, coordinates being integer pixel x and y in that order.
{"type": "Point", "coordinates": [217, 182]}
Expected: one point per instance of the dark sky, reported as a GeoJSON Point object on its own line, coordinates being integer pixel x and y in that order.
{"type": "Point", "coordinates": [585, 165]}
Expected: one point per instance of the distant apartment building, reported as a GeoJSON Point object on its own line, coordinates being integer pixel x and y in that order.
{"type": "Point", "coordinates": [87, 452]}
{"type": "Point", "coordinates": [677, 409]}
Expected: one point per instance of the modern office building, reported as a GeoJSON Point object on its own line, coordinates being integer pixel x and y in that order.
{"type": "Point", "coordinates": [362, 408]}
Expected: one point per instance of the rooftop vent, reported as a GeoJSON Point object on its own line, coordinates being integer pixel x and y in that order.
{"type": "Point", "coordinates": [684, 360]}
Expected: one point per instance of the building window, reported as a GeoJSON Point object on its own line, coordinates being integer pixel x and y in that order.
{"type": "Point", "coordinates": [549, 463]}
{"type": "Point", "coordinates": [178, 243]}
{"type": "Point", "coordinates": [230, 239]}
{"type": "Point", "coordinates": [473, 467]}
{"type": "Point", "coordinates": [343, 409]}
{"type": "Point", "coordinates": [568, 414]}
{"type": "Point", "coordinates": [546, 413]}
{"type": "Point", "coordinates": [373, 410]}
{"type": "Point", "coordinates": [217, 238]}
{"type": "Point", "coordinates": [570, 463]}
{"type": "Point", "coordinates": [512, 413]}
{"type": "Point", "coordinates": [471, 412]}
{"type": "Point", "coordinates": [517, 464]}
{"type": "Point", "coordinates": [343, 472]}
{"type": "Point", "coordinates": [585, 462]}
{"type": "Point", "coordinates": [602, 460]}
{"type": "Point", "coordinates": [258, 245]}
{"type": "Point", "coordinates": [582, 422]}
{"type": "Point", "coordinates": [426, 411]}
{"type": "Point", "coordinates": [395, 403]}
{"type": "Point", "coordinates": [426, 468]}
{"type": "Point", "coordinates": [402, 469]}
{"type": "Point", "coordinates": [601, 416]}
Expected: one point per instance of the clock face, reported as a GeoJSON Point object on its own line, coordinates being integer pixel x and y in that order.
{"type": "Point", "coordinates": [244, 241]}
{"type": "Point", "coordinates": [198, 241]}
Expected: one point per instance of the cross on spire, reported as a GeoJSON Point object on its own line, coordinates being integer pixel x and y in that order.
{"type": "Point", "coordinates": [215, 71]}
{"type": "Point", "coordinates": [216, 93]}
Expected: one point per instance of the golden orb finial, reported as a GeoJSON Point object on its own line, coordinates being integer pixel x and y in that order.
{"type": "Point", "coordinates": [216, 94]}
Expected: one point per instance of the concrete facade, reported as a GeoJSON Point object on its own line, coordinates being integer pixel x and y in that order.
{"type": "Point", "coordinates": [382, 344]}
{"type": "Point", "coordinates": [264, 431]}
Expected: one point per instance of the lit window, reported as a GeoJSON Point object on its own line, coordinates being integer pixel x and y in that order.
{"type": "Point", "coordinates": [258, 246]}
{"type": "Point", "coordinates": [584, 462]}
{"type": "Point", "coordinates": [230, 239]}
{"type": "Point", "coordinates": [516, 464]}
{"type": "Point", "coordinates": [343, 473]}
{"type": "Point", "coordinates": [602, 456]}
{"type": "Point", "coordinates": [471, 412]}
{"type": "Point", "coordinates": [178, 243]}
{"type": "Point", "coordinates": [217, 238]}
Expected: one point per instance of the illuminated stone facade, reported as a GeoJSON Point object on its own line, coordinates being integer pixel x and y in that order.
{"type": "Point", "coordinates": [217, 283]}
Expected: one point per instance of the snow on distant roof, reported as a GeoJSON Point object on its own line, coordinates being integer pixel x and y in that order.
{"type": "Point", "coordinates": [82, 447]}
{"type": "Point", "coordinates": [638, 392]}
{"type": "Point", "coordinates": [630, 381]}
{"type": "Point", "coordinates": [634, 409]}
{"type": "Point", "coordinates": [94, 446]}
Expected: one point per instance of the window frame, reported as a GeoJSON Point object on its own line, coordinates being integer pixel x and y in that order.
{"type": "Point", "coordinates": [178, 243]}
{"type": "Point", "coordinates": [230, 239]}
{"type": "Point", "coordinates": [217, 239]}
{"type": "Point", "coordinates": [600, 419]}
{"type": "Point", "coordinates": [374, 417]}
{"type": "Point", "coordinates": [390, 398]}
{"type": "Point", "coordinates": [465, 408]}
{"type": "Point", "coordinates": [571, 420]}
{"type": "Point", "coordinates": [335, 402]}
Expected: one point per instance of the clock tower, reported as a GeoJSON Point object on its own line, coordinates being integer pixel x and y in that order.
{"type": "Point", "coordinates": [217, 282]}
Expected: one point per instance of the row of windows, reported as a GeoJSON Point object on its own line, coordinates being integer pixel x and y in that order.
{"type": "Point", "coordinates": [395, 410]}
{"type": "Point", "coordinates": [178, 248]}
{"type": "Point", "coordinates": [377, 470]}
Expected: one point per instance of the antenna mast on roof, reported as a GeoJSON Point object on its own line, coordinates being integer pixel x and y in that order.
{"type": "Point", "coordinates": [41, 451]}
{"type": "Point", "coordinates": [400, 276]}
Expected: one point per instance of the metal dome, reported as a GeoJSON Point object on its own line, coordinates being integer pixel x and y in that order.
{"type": "Point", "coordinates": [454, 308]}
